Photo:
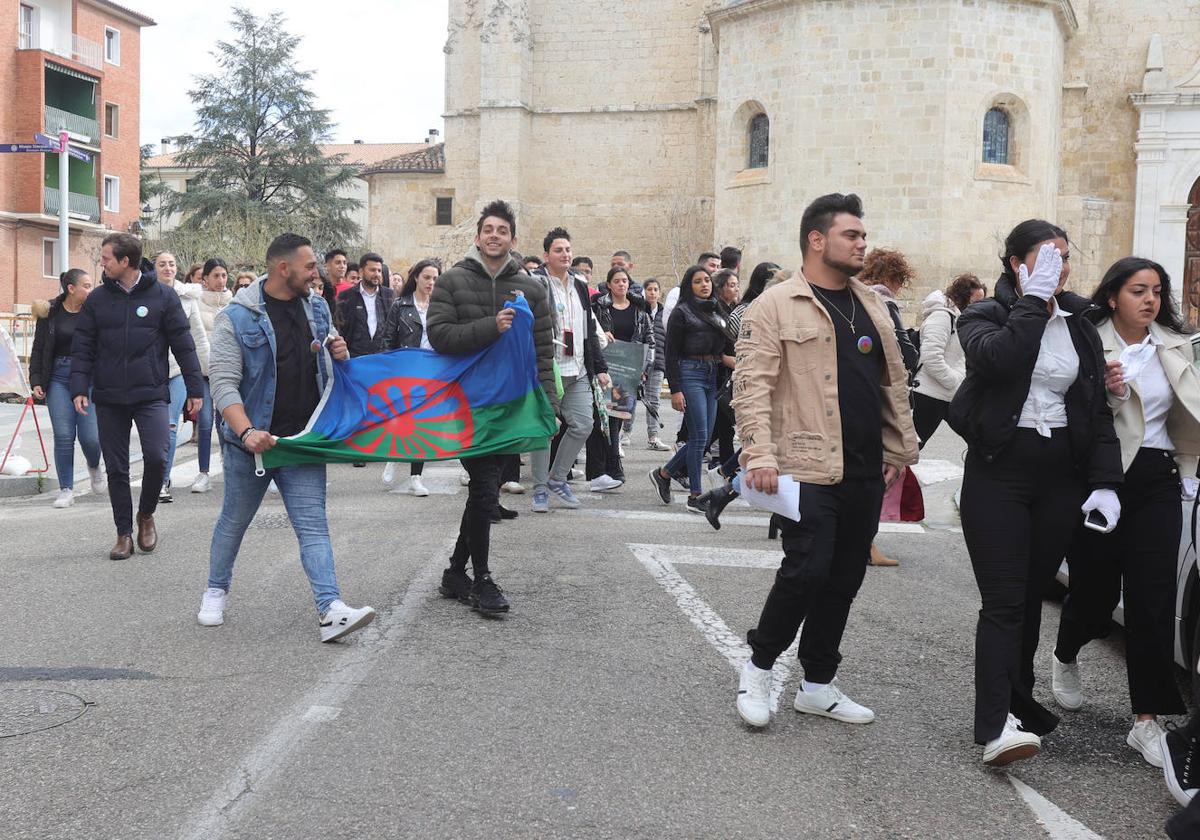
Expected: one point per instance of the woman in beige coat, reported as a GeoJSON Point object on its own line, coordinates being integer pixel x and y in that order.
{"type": "Point", "coordinates": [1154, 392]}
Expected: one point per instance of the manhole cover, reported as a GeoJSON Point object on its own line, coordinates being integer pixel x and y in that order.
{"type": "Point", "coordinates": [271, 521]}
{"type": "Point", "coordinates": [26, 710]}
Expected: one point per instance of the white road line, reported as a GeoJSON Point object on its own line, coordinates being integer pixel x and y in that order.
{"type": "Point", "coordinates": [219, 816]}
{"type": "Point", "coordinates": [659, 561]}
{"type": "Point", "coordinates": [1059, 825]}
{"type": "Point", "coordinates": [755, 521]}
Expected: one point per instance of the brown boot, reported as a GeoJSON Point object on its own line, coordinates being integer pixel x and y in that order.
{"type": "Point", "coordinates": [147, 534]}
{"type": "Point", "coordinates": [123, 550]}
{"type": "Point", "coordinates": [878, 558]}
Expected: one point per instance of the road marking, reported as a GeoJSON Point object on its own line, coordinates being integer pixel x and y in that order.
{"type": "Point", "coordinates": [932, 471]}
{"type": "Point", "coordinates": [219, 816]}
{"type": "Point", "coordinates": [1058, 823]}
{"type": "Point", "coordinates": [755, 521]}
{"type": "Point", "coordinates": [660, 561]}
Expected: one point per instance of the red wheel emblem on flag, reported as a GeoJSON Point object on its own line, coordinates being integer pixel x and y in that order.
{"type": "Point", "coordinates": [418, 419]}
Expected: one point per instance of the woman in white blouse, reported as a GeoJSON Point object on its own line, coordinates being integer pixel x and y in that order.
{"type": "Point", "coordinates": [1154, 392]}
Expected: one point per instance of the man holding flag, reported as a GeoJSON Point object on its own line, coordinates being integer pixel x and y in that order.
{"type": "Point", "coordinates": [470, 310]}
{"type": "Point", "coordinates": [268, 369]}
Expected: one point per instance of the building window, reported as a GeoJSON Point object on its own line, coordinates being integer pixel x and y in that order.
{"type": "Point", "coordinates": [760, 142]}
{"type": "Point", "coordinates": [50, 267]}
{"type": "Point", "coordinates": [112, 119]}
{"type": "Point", "coordinates": [996, 131]}
{"type": "Point", "coordinates": [445, 211]}
{"type": "Point", "coordinates": [112, 194]}
{"type": "Point", "coordinates": [112, 45]}
{"type": "Point", "coordinates": [28, 28]}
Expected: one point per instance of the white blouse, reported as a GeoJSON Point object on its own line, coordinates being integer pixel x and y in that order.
{"type": "Point", "coordinates": [1056, 370]}
{"type": "Point", "coordinates": [1154, 390]}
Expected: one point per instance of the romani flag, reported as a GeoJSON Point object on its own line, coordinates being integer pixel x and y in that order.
{"type": "Point", "coordinates": [417, 405]}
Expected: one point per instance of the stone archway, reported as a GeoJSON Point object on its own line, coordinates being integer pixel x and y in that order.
{"type": "Point", "coordinates": [1191, 259]}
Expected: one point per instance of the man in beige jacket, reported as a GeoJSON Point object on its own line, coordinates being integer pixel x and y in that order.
{"type": "Point", "coordinates": [820, 394]}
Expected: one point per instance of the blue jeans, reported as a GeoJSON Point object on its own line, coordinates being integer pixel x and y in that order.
{"type": "Point", "coordinates": [698, 382]}
{"type": "Point", "coordinates": [67, 423]}
{"type": "Point", "coordinates": [303, 491]}
{"type": "Point", "coordinates": [204, 423]}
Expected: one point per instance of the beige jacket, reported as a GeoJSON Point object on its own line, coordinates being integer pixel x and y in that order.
{"type": "Point", "coordinates": [785, 385]}
{"type": "Point", "coordinates": [1183, 422]}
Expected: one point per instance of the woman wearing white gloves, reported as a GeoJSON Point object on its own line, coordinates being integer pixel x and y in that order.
{"type": "Point", "coordinates": [1154, 393]}
{"type": "Point", "coordinates": [1042, 453]}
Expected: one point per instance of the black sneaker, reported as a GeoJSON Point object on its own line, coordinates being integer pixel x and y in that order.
{"type": "Point", "coordinates": [1181, 765]}
{"type": "Point", "coordinates": [502, 513]}
{"type": "Point", "coordinates": [487, 597]}
{"type": "Point", "coordinates": [715, 502]}
{"type": "Point", "coordinates": [662, 486]}
{"type": "Point", "coordinates": [697, 504]}
{"type": "Point", "coordinates": [456, 585]}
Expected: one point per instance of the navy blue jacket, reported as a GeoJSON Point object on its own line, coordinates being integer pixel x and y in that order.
{"type": "Point", "coordinates": [121, 342]}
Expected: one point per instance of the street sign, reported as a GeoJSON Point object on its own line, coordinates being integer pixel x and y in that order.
{"type": "Point", "coordinates": [46, 140]}
{"type": "Point", "coordinates": [78, 155]}
{"type": "Point", "coordinates": [54, 145]}
{"type": "Point", "coordinates": [26, 147]}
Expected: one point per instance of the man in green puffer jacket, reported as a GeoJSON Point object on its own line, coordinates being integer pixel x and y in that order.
{"type": "Point", "coordinates": [466, 314]}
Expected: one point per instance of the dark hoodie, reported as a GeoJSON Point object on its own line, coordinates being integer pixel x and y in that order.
{"type": "Point", "coordinates": [1001, 338]}
{"type": "Point", "coordinates": [465, 302]}
{"type": "Point", "coordinates": [121, 343]}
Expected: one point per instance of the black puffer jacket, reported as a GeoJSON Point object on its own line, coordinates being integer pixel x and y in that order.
{"type": "Point", "coordinates": [660, 340]}
{"type": "Point", "coordinates": [41, 356]}
{"type": "Point", "coordinates": [121, 343]}
{"type": "Point", "coordinates": [351, 319]}
{"type": "Point", "coordinates": [1001, 338]}
{"type": "Point", "coordinates": [403, 327]}
{"type": "Point", "coordinates": [462, 312]}
{"type": "Point", "coordinates": [693, 332]}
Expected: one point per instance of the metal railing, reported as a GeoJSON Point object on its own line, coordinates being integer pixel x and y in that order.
{"type": "Point", "coordinates": [20, 326]}
{"type": "Point", "coordinates": [67, 44]}
{"type": "Point", "coordinates": [58, 119]}
{"type": "Point", "coordinates": [79, 205]}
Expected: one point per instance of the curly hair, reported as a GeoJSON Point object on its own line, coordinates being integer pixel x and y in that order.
{"type": "Point", "coordinates": [961, 288]}
{"type": "Point", "coordinates": [887, 267]}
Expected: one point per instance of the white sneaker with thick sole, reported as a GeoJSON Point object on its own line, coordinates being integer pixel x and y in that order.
{"type": "Point", "coordinates": [416, 487]}
{"type": "Point", "coordinates": [202, 484]}
{"type": "Point", "coordinates": [464, 478]}
{"type": "Point", "coordinates": [65, 498]}
{"type": "Point", "coordinates": [576, 474]}
{"type": "Point", "coordinates": [1146, 737]}
{"type": "Point", "coordinates": [754, 695]}
{"type": "Point", "coordinates": [1065, 684]}
{"type": "Point", "coordinates": [212, 608]}
{"type": "Point", "coordinates": [389, 473]}
{"type": "Point", "coordinates": [831, 703]}
{"type": "Point", "coordinates": [604, 483]}
{"type": "Point", "coordinates": [625, 439]}
{"type": "Point", "coordinates": [516, 488]}
{"type": "Point", "coordinates": [99, 481]}
{"type": "Point", "coordinates": [340, 620]}
{"type": "Point", "coordinates": [1012, 744]}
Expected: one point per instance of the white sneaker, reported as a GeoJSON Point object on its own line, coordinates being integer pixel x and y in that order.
{"type": "Point", "coordinates": [65, 498]}
{"type": "Point", "coordinates": [621, 450]}
{"type": "Point", "coordinates": [212, 607]}
{"type": "Point", "coordinates": [1065, 685]}
{"type": "Point", "coordinates": [1146, 737]}
{"type": "Point", "coordinates": [516, 488]}
{"type": "Point", "coordinates": [754, 695]}
{"type": "Point", "coordinates": [389, 473]}
{"type": "Point", "coordinates": [604, 483]}
{"type": "Point", "coordinates": [657, 445]}
{"type": "Point", "coordinates": [1013, 744]}
{"type": "Point", "coordinates": [624, 439]}
{"type": "Point", "coordinates": [464, 478]}
{"type": "Point", "coordinates": [202, 484]}
{"type": "Point", "coordinates": [340, 620]}
{"type": "Point", "coordinates": [99, 481]}
{"type": "Point", "coordinates": [416, 487]}
{"type": "Point", "coordinates": [576, 474]}
{"type": "Point", "coordinates": [831, 703]}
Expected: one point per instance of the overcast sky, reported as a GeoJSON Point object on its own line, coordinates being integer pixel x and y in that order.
{"type": "Point", "coordinates": [379, 64]}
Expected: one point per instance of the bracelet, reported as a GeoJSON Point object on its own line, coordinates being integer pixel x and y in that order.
{"type": "Point", "coordinates": [242, 436]}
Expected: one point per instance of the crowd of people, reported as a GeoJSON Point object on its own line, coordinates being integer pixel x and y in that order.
{"type": "Point", "coordinates": [1081, 418]}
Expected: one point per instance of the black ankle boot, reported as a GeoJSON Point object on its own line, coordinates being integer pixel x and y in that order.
{"type": "Point", "coordinates": [773, 528]}
{"type": "Point", "coordinates": [716, 501]}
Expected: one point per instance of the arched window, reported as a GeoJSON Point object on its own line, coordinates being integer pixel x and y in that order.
{"type": "Point", "coordinates": [996, 128]}
{"type": "Point", "coordinates": [760, 142]}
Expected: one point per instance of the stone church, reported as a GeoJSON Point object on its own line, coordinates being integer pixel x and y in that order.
{"type": "Point", "coordinates": [668, 127]}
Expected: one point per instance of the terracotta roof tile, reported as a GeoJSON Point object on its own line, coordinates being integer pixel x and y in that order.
{"type": "Point", "coordinates": [358, 154]}
{"type": "Point", "coordinates": [429, 160]}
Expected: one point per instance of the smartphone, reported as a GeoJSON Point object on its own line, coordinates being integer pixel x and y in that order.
{"type": "Point", "coordinates": [568, 343]}
{"type": "Point", "coordinates": [1095, 520]}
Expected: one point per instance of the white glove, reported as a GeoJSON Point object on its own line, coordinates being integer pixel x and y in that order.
{"type": "Point", "coordinates": [1047, 272]}
{"type": "Point", "coordinates": [1108, 504]}
{"type": "Point", "coordinates": [1190, 488]}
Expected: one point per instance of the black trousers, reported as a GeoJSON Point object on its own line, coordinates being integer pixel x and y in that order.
{"type": "Point", "coordinates": [1144, 552]}
{"type": "Point", "coordinates": [825, 559]}
{"type": "Point", "coordinates": [483, 499]}
{"type": "Point", "coordinates": [928, 414]}
{"type": "Point", "coordinates": [154, 429]}
{"type": "Point", "coordinates": [1019, 514]}
{"type": "Point", "coordinates": [723, 436]}
{"type": "Point", "coordinates": [604, 450]}
{"type": "Point", "coordinates": [510, 468]}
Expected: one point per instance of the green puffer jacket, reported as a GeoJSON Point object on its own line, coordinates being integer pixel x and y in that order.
{"type": "Point", "coordinates": [466, 299]}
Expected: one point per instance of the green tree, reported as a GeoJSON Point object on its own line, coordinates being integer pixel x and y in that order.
{"type": "Point", "coordinates": [256, 147]}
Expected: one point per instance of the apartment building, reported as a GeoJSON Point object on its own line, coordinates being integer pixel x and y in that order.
{"type": "Point", "coordinates": [74, 65]}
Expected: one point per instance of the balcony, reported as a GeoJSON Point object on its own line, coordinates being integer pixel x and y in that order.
{"type": "Point", "coordinates": [80, 206]}
{"type": "Point", "coordinates": [67, 45]}
{"type": "Point", "coordinates": [57, 119]}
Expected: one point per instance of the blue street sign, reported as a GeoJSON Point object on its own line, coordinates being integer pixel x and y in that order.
{"type": "Point", "coordinates": [25, 147]}
{"type": "Point", "coordinates": [52, 142]}
{"type": "Point", "coordinates": [45, 140]}
{"type": "Point", "coordinates": [78, 155]}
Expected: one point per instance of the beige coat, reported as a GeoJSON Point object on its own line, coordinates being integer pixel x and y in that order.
{"type": "Point", "coordinates": [785, 385]}
{"type": "Point", "coordinates": [1183, 422]}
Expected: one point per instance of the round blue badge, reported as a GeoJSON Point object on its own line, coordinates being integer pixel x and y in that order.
{"type": "Point", "coordinates": [142, 311]}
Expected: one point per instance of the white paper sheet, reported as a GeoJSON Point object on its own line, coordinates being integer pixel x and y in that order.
{"type": "Point", "coordinates": [786, 502]}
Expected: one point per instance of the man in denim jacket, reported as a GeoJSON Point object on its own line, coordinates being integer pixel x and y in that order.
{"type": "Point", "coordinates": [267, 370]}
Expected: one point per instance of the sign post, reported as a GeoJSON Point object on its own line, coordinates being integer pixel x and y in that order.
{"type": "Point", "coordinates": [64, 201]}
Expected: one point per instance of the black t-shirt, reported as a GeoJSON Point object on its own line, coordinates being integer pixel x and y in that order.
{"type": "Point", "coordinates": [860, 374]}
{"type": "Point", "coordinates": [296, 395]}
{"type": "Point", "coordinates": [624, 323]}
{"type": "Point", "coordinates": [64, 331]}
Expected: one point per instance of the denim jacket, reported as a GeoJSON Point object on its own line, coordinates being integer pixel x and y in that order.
{"type": "Point", "coordinates": [242, 362]}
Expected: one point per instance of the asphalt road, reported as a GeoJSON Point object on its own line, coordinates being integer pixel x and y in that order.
{"type": "Point", "coordinates": [602, 706]}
